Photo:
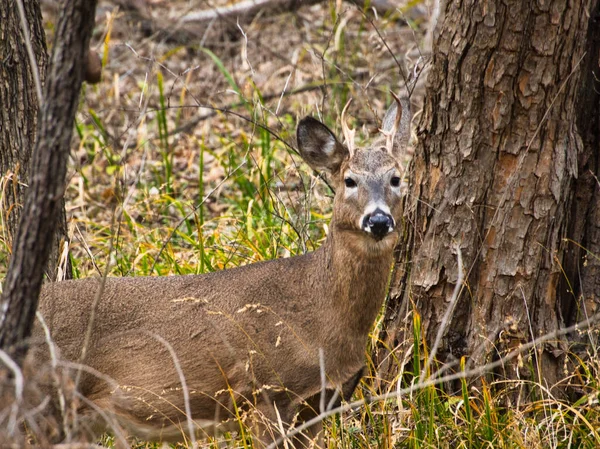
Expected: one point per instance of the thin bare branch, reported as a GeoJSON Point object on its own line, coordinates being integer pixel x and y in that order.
{"type": "Point", "coordinates": [449, 311]}
{"type": "Point", "coordinates": [30, 53]}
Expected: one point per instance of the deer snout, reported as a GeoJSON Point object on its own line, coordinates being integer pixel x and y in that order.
{"type": "Point", "coordinates": [378, 223]}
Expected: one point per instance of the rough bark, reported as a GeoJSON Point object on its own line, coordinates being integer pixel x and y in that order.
{"type": "Point", "coordinates": [505, 169]}
{"type": "Point", "coordinates": [44, 197]}
{"type": "Point", "coordinates": [581, 259]}
{"type": "Point", "coordinates": [18, 120]}
{"type": "Point", "coordinates": [19, 105]}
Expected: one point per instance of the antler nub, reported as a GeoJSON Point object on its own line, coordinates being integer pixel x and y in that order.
{"type": "Point", "coordinates": [391, 133]}
{"type": "Point", "coordinates": [348, 133]}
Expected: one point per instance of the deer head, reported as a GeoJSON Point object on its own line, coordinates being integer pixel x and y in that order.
{"type": "Point", "coordinates": [367, 180]}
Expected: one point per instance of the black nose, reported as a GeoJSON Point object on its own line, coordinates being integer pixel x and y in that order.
{"type": "Point", "coordinates": [378, 223]}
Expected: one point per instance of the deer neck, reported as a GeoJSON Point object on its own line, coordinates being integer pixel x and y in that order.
{"type": "Point", "coordinates": [357, 273]}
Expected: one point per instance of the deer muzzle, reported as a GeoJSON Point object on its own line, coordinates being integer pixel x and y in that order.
{"type": "Point", "coordinates": [378, 223]}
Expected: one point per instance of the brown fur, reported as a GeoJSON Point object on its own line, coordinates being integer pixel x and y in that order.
{"type": "Point", "coordinates": [248, 336]}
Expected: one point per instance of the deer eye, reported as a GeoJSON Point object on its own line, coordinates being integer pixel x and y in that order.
{"type": "Point", "coordinates": [349, 182]}
{"type": "Point", "coordinates": [395, 181]}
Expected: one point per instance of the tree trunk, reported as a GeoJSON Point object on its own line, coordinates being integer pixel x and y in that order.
{"type": "Point", "coordinates": [18, 120]}
{"type": "Point", "coordinates": [44, 197]}
{"type": "Point", "coordinates": [505, 168]}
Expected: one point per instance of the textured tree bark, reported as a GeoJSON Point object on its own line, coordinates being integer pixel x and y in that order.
{"type": "Point", "coordinates": [19, 105]}
{"type": "Point", "coordinates": [505, 168]}
{"type": "Point", "coordinates": [43, 202]}
{"type": "Point", "coordinates": [18, 120]}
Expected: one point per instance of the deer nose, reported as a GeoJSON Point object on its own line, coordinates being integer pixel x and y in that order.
{"type": "Point", "coordinates": [378, 223]}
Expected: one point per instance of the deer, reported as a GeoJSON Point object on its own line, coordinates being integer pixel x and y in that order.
{"type": "Point", "coordinates": [173, 358]}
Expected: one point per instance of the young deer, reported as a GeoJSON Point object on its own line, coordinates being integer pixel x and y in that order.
{"type": "Point", "coordinates": [251, 340]}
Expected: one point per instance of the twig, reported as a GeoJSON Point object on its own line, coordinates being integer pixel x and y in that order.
{"type": "Point", "coordinates": [62, 402]}
{"type": "Point", "coordinates": [100, 291]}
{"type": "Point", "coordinates": [190, 125]}
{"type": "Point", "coordinates": [93, 309]}
{"type": "Point", "coordinates": [389, 50]}
{"type": "Point", "coordinates": [281, 427]}
{"type": "Point", "coordinates": [206, 197]}
{"type": "Point", "coordinates": [118, 433]}
{"type": "Point", "coordinates": [88, 369]}
{"type": "Point", "coordinates": [109, 419]}
{"type": "Point", "coordinates": [449, 311]}
{"type": "Point", "coordinates": [323, 380]}
{"type": "Point", "coordinates": [184, 388]}
{"type": "Point", "coordinates": [32, 61]}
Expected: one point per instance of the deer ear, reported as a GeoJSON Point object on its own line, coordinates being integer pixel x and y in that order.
{"type": "Point", "coordinates": [318, 146]}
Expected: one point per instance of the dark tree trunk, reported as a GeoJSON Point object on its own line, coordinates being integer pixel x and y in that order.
{"type": "Point", "coordinates": [19, 108]}
{"type": "Point", "coordinates": [506, 168]}
{"type": "Point", "coordinates": [44, 197]}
